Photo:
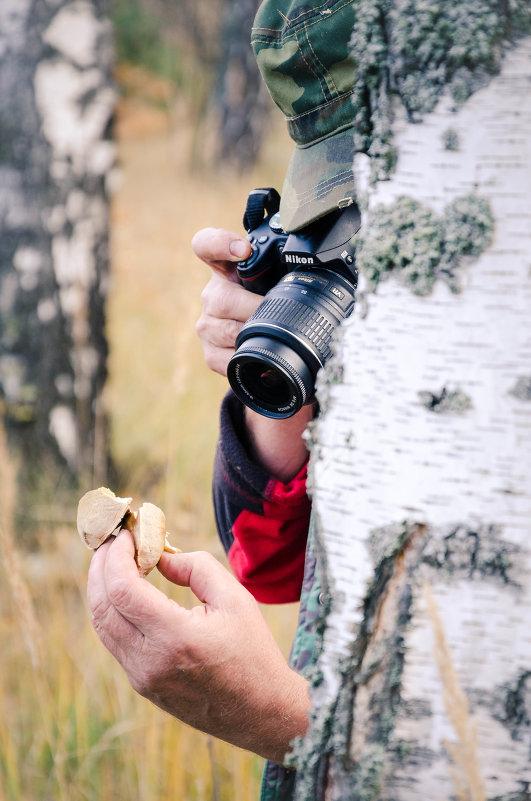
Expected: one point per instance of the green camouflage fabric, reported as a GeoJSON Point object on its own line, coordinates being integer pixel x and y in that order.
{"type": "Point", "coordinates": [278, 782]}
{"type": "Point", "coordinates": [303, 53]}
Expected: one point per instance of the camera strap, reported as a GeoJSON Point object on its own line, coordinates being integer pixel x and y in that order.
{"type": "Point", "coordinates": [259, 203]}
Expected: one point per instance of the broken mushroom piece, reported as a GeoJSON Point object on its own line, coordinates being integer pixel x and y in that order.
{"type": "Point", "coordinates": [100, 514]}
{"type": "Point", "coordinates": [149, 534]}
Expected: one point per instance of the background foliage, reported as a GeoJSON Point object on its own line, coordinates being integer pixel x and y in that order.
{"type": "Point", "coordinates": [71, 724]}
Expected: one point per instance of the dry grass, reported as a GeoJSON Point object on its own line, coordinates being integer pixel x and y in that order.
{"type": "Point", "coordinates": [71, 728]}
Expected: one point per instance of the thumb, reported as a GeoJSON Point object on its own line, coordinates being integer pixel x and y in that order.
{"type": "Point", "coordinates": [220, 249]}
{"type": "Point", "coordinates": [210, 582]}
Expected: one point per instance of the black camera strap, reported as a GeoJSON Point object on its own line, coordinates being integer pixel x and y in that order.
{"type": "Point", "coordinates": [259, 203]}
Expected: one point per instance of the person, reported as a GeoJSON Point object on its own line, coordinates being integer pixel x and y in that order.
{"type": "Point", "coordinates": [217, 666]}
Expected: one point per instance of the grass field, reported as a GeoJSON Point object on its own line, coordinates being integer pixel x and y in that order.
{"type": "Point", "coordinates": [71, 727]}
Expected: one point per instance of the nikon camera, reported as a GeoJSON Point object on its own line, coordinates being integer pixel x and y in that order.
{"type": "Point", "coordinates": [309, 280]}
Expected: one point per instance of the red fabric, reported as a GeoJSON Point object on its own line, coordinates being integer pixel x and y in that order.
{"type": "Point", "coordinates": [268, 551]}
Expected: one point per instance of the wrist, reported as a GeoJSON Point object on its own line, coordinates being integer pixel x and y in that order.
{"type": "Point", "coordinates": [288, 719]}
{"type": "Point", "coordinates": [278, 445]}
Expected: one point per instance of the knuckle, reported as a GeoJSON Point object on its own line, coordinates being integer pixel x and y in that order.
{"type": "Point", "coordinates": [201, 326]}
{"type": "Point", "coordinates": [225, 301]}
{"type": "Point", "coordinates": [119, 593]}
{"type": "Point", "coordinates": [211, 360]}
{"type": "Point", "coordinates": [206, 296]}
{"type": "Point", "coordinates": [232, 329]}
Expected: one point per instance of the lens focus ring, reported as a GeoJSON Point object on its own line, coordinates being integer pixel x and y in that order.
{"type": "Point", "coordinates": [300, 318]}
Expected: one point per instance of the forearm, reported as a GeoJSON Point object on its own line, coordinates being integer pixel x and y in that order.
{"type": "Point", "coordinates": [273, 726]}
{"type": "Point", "coordinates": [278, 445]}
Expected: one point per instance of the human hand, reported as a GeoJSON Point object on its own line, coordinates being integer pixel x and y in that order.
{"type": "Point", "coordinates": [226, 305]}
{"type": "Point", "coordinates": [215, 666]}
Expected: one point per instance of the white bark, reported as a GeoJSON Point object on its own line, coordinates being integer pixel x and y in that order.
{"type": "Point", "coordinates": [452, 484]}
{"type": "Point", "coordinates": [56, 102]}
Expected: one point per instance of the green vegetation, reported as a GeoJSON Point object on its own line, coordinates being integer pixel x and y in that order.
{"type": "Point", "coordinates": [140, 42]}
{"type": "Point", "coordinates": [72, 729]}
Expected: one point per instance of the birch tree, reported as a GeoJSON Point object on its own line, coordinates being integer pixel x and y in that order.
{"type": "Point", "coordinates": [421, 457]}
{"type": "Point", "coordinates": [56, 103]}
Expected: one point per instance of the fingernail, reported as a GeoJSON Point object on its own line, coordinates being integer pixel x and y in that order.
{"type": "Point", "coordinates": [238, 248]}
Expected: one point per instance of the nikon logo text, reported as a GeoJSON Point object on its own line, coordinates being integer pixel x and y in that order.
{"type": "Point", "coordinates": [293, 259]}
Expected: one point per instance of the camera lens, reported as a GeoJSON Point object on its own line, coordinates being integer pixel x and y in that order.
{"type": "Point", "coordinates": [268, 383]}
{"type": "Point", "coordinates": [269, 377]}
{"type": "Point", "coordinates": [287, 340]}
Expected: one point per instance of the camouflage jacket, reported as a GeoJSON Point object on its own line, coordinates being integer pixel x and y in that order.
{"type": "Point", "coordinates": [278, 782]}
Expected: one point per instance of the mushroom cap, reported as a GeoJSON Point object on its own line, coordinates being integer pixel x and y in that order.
{"type": "Point", "coordinates": [99, 513]}
{"type": "Point", "coordinates": [149, 533]}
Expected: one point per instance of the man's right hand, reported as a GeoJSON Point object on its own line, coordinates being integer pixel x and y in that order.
{"type": "Point", "coordinates": [226, 305]}
{"type": "Point", "coordinates": [215, 666]}
{"type": "Point", "coordinates": [275, 444]}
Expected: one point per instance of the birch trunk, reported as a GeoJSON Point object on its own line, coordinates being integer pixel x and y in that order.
{"type": "Point", "coordinates": [56, 103]}
{"type": "Point", "coordinates": [421, 483]}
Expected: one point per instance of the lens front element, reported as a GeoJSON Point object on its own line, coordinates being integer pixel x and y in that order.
{"type": "Point", "coordinates": [269, 377]}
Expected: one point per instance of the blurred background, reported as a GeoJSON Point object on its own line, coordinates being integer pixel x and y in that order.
{"type": "Point", "coordinates": [194, 131]}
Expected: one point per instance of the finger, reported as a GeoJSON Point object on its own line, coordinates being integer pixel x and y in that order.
{"type": "Point", "coordinates": [228, 301]}
{"type": "Point", "coordinates": [110, 626]}
{"type": "Point", "coordinates": [217, 359]}
{"type": "Point", "coordinates": [221, 249]}
{"type": "Point", "coordinates": [217, 333]}
{"type": "Point", "coordinates": [136, 599]}
{"type": "Point", "coordinates": [210, 582]}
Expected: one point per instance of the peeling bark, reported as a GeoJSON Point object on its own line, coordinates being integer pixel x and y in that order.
{"type": "Point", "coordinates": [56, 106]}
{"type": "Point", "coordinates": [420, 478]}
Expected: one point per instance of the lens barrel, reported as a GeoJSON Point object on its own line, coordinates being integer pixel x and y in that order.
{"type": "Point", "coordinates": [287, 340]}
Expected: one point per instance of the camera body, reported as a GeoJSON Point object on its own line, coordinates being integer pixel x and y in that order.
{"type": "Point", "coordinates": [327, 243]}
{"type": "Point", "coordinates": [309, 279]}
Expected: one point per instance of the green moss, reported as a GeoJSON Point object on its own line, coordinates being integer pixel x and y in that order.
{"type": "Point", "coordinates": [414, 50]}
{"type": "Point", "coordinates": [412, 242]}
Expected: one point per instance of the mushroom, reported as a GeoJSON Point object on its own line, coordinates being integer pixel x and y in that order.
{"type": "Point", "coordinates": [100, 514]}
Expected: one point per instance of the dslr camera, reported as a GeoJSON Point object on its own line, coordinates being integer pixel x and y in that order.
{"type": "Point", "coordinates": [309, 281]}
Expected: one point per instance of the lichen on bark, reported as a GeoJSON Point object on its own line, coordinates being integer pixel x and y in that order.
{"type": "Point", "coordinates": [446, 401]}
{"type": "Point", "coordinates": [410, 241]}
{"type": "Point", "coordinates": [414, 50]}
{"type": "Point", "coordinates": [522, 388]}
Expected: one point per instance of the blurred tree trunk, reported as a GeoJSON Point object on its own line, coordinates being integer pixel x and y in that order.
{"type": "Point", "coordinates": [241, 96]}
{"type": "Point", "coordinates": [56, 104]}
{"type": "Point", "coordinates": [421, 463]}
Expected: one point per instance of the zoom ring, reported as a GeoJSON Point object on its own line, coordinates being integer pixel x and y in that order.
{"type": "Point", "coordinates": [300, 318]}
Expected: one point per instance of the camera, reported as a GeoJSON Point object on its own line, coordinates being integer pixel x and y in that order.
{"type": "Point", "coordinates": [309, 281]}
